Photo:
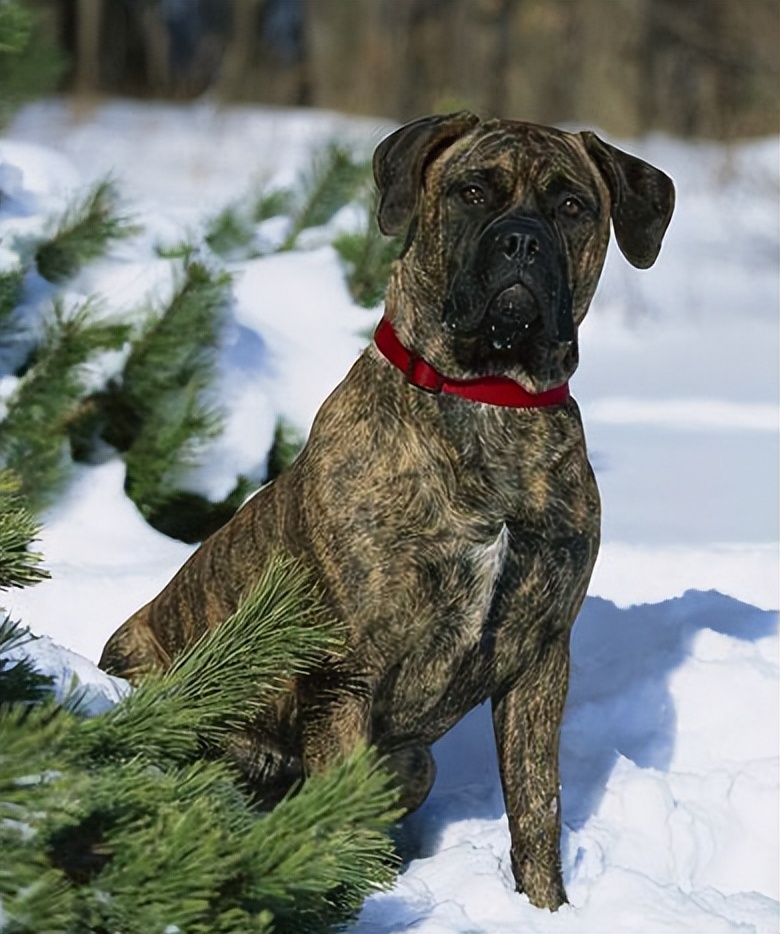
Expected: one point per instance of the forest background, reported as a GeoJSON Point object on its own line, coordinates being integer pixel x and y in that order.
{"type": "Point", "coordinates": [707, 68]}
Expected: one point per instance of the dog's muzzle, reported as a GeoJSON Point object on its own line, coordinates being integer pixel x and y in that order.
{"type": "Point", "coordinates": [513, 286]}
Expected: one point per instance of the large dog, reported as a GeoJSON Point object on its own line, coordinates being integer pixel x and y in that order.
{"type": "Point", "coordinates": [444, 501]}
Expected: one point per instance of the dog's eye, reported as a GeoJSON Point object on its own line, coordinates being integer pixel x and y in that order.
{"type": "Point", "coordinates": [473, 195]}
{"type": "Point", "coordinates": [570, 206]}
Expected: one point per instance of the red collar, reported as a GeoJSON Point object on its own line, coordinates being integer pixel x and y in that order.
{"type": "Point", "coordinates": [494, 390]}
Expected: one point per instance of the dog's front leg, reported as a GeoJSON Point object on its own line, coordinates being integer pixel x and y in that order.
{"type": "Point", "coordinates": [333, 725]}
{"type": "Point", "coordinates": [527, 721]}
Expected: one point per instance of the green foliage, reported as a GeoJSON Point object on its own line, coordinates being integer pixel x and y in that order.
{"type": "Point", "coordinates": [286, 446]}
{"type": "Point", "coordinates": [20, 683]}
{"type": "Point", "coordinates": [83, 233]}
{"type": "Point", "coordinates": [191, 517]}
{"type": "Point", "coordinates": [118, 824]}
{"type": "Point", "coordinates": [163, 385]}
{"type": "Point", "coordinates": [230, 233]}
{"type": "Point", "coordinates": [157, 414]}
{"type": "Point", "coordinates": [183, 249]}
{"type": "Point", "coordinates": [19, 567]}
{"type": "Point", "coordinates": [10, 291]}
{"type": "Point", "coordinates": [177, 348]}
{"type": "Point", "coordinates": [279, 631]}
{"type": "Point", "coordinates": [33, 432]}
{"type": "Point", "coordinates": [368, 256]}
{"type": "Point", "coordinates": [272, 203]}
{"type": "Point", "coordinates": [29, 65]}
{"type": "Point", "coordinates": [335, 178]}
{"type": "Point", "coordinates": [170, 441]}
{"type": "Point", "coordinates": [308, 848]}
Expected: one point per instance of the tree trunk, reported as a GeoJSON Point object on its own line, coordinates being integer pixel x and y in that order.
{"type": "Point", "coordinates": [88, 35]}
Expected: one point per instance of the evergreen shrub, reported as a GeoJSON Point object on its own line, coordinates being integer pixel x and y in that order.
{"type": "Point", "coordinates": [119, 823]}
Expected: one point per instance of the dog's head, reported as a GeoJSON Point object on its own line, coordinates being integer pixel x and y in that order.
{"type": "Point", "coordinates": [507, 226]}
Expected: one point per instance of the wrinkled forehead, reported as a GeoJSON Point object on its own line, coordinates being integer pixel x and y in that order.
{"type": "Point", "coordinates": [522, 151]}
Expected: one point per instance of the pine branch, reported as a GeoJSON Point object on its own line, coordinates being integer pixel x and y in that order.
{"type": "Point", "coordinates": [171, 848]}
{"type": "Point", "coordinates": [10, 291]}
{"type": "Point", "coordinates": [369, 257]}
{"type": "Point", "coordinates": [158, 415]}
{"type": "Point", "coordinates": [321, 852]}
{"type": "Point", "coordinates": [182, 249]}
{"type": "Point", "coordinates": [191, 517]}
{"type": "Point", "coordinates": [179, 345]}
{"type": "Point", "coordinates": [332, 182]}
{"type": "Point", "coordinates": [286, 446]}
{"type": "Point", "coordinates": [33, 433]}
{"type": "Point", "coordinates": [35, 897]}
{"type": "Point", "coordinates": [115, 824]}
{"type": "Point", "coordinates": [231, 233]}
{"type": "Point", "coordinates": [171, 441]}
{"type": "Point", "coordinates": [84, 233]}
{"type": "Point", "coordinates": [33, 744]}
{"type": "Point", "coordinates": [272, 203]}
{"type": "Point", "coordinates": [217, 686]}
{"type": "Point", "coordinates": [19, 567]}
{"type": "Point", "coordinates": [20, 683]}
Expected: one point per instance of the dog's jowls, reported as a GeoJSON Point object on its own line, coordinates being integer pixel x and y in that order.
{"type": "Point", "coordinates": [453, 538]}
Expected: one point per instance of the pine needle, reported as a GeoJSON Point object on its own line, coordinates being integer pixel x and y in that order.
{"type": "Point", "coordinates": [171, 441]}
{"type": "Point", "coordinates": [272, 203]}
{"type": "Point", "coordinates": [231, 233]}
{"type": "Point", "coordinates": [20, 683]}
{"type": "Point", "coordinates": [116, 824]}
{"type": "Point", "coordinates": [330, 839]}
{"type": "Point", "coordinates": [219, 684]}
{"type": "Point", "coordinates": [179, 344]}
{"type": "Point", "coordinates": [32, 743]}
{"type": "Point", "coordinates": [33, 433]}
{"type": "Point", "coordinates": [84, 233]}
{"type": "Point", "coordinates": [10, 291]}
{"type": "Point", "coordinates": [332, 182]}
{"type": "Point", "coordinates": [369, 257]}
{"type": "Point", "coordinates": [165, 421]}
{"type": "Point", "coordinates": [286, 446]}
{"type": "Point", "coordinates": [19, 567]}
{"type": "Point", "coordinates": [35, 897]}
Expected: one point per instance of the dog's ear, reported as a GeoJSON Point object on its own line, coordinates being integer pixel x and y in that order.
{"type": "Point", "coordinates": [642, 200]}
{"type": "Point", "coordinates": [401, 158]}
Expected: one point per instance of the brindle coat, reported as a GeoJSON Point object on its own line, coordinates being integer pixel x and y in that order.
{"type": "Point", "coordinates": [454, 539]}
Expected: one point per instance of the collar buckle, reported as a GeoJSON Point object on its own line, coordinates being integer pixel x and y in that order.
{"type": "Point", "coordinates": [423, 376]}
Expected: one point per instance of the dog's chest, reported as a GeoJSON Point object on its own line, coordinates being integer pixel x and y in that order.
{"type": "Point", "coordinates": [475, 622]}
{"type": "Point", "coordinates": [445, 668]}
{"type": "Point", "coordinates": [488, 562]}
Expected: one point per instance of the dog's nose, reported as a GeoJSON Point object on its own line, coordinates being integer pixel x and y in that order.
{"type": "Point", "coordinates": [522, 247]}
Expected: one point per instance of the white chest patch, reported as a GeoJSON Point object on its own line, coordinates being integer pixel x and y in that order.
{"type": "Point", "coordinates": [488, 564]}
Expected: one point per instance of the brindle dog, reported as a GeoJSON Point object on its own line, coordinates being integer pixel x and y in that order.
{"type": "Point", "coordinates": [453, 538]}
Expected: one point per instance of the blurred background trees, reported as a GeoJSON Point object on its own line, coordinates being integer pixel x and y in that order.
{"type": "Point", "coordinates": [705, 68]}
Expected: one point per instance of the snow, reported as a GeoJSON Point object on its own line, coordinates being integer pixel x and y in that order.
{"type": "Point", "coordinates": [669, 753]}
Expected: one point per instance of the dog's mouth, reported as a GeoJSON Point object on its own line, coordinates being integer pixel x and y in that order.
{"type": "Point", "coordinates": [509, 303]}
{"type": "Point", "coordinates": [511, 314]}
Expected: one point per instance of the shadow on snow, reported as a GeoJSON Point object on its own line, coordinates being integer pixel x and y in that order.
{"type": "Point", "coordinates": [618, 704]}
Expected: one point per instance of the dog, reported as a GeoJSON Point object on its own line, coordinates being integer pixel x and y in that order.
{"type": "Point", "coordinates": [444, 502]}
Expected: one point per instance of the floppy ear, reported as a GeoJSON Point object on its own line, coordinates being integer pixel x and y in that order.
{"type": "Point", "coordinates": [400, 160]}
{"type": "Point", "coordinates": [642, 200]}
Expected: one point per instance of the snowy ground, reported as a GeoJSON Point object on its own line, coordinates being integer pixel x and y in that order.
{"type": "Point", "coordinates": [670, 742]}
